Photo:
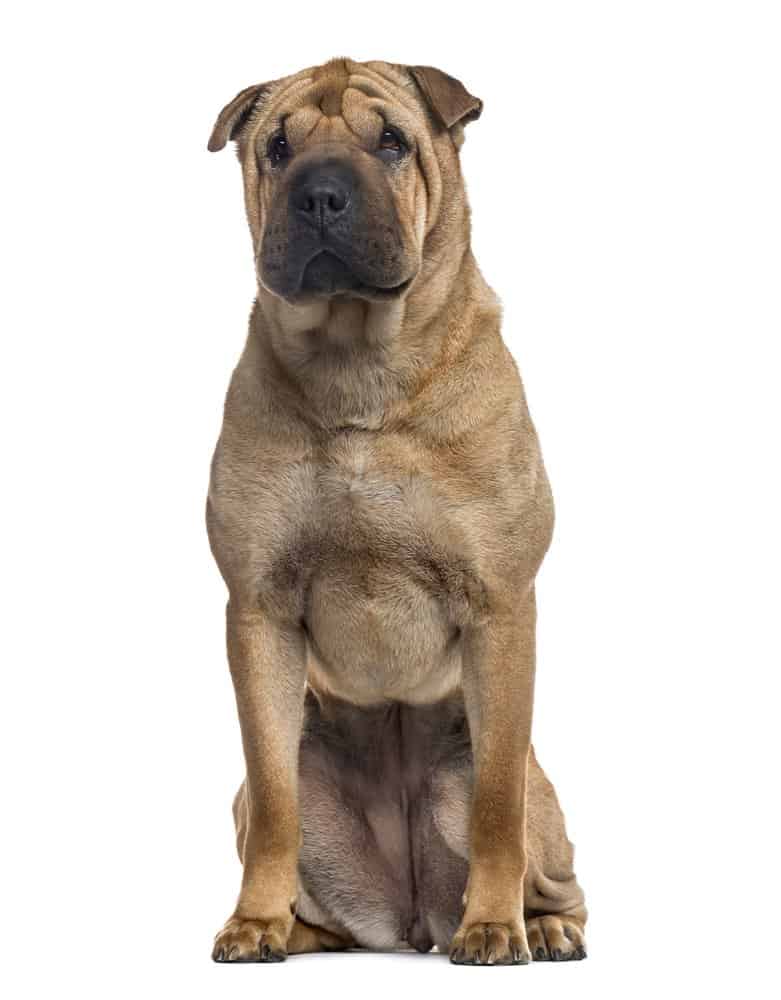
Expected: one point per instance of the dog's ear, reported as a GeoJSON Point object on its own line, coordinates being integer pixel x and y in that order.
{"type": "Point", "coordinates": [448, 98]}
{"type": "Point", "coordinates": [234, 116]}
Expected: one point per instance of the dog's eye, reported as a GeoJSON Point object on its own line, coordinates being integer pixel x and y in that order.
{"type": "Point", "coordinates": [390, 139]}
{"type": "Point", "coordinates": [391, 146]}
{"type": "Point", "coordinates": [279, 149]}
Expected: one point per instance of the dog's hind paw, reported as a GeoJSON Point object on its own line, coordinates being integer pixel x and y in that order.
{"type": "Point", "coordinates": [556, 939]}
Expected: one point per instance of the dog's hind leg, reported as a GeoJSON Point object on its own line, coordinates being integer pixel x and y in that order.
{"type": "Point", "coordinates": [307, 938]}
{"type": "Point", "coordinates": [553, 901]}
{"type": "Point", "coordinates": [330, 873]}
{"type": "Point", "coordinates": [554, 910]}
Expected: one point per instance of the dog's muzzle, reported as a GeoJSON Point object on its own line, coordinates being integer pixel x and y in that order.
{"type": "Point", "coordinates": [333, 231]}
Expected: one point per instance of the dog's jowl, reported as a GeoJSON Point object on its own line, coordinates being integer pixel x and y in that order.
{"type": "Point", "coordinates": [379, 509]}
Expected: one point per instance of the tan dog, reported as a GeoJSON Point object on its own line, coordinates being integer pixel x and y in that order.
{"type": "Point", "coordinates": [379, 509]}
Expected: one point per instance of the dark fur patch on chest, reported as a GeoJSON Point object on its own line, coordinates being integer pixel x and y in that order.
{"type": "Point", "coordinates": [445, 576]}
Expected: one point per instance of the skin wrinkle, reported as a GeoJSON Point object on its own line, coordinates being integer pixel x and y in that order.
{"type": "Point", "coordinates": [378, 508]}
{"type": "Point", "coordinates": [266, 106]}
{"type": "Point", "coordinates": [387, 97]}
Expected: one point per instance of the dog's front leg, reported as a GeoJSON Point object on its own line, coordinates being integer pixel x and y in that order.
{"type": "Point", "coordinates": [498, 682]}
{"type": "Point", "coordinates": [268, 667]}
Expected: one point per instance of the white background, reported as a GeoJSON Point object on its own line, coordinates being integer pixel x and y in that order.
{"type": "Point", "coordinates": [625, 182]}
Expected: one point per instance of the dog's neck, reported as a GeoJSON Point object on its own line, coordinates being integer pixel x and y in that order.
{"type": "Point", "coordinates": [352, 361]}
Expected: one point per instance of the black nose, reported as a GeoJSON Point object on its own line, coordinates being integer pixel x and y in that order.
{"type": "Point", "coordinates": [321, 195]}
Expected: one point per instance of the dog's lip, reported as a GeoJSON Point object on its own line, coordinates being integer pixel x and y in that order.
{"type": "Point", "coordinates": [376, 293]}
{"type": "Point", "coordinates": [391, 291]}
{"type": "Point", "coordinates": [362, 290]}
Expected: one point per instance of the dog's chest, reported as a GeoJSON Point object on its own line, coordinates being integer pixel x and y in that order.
{"type": "Point", "coordinates": [381, 572]}
{"type": "Point", "coordinates": [369, 489]}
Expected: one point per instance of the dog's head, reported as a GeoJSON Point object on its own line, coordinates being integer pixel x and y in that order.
{"type": "Point", "coordinates": [347, 169]}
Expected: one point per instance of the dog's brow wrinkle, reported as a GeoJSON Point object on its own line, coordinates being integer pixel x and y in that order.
{"type": "Point", "coordinates": [282, 95]}
{"type": "Point", "coordinates": [373, 87]}
{"type": "Point", "coordinates": [358, 114]}
{"type": "Point", "coordinates": [405, 95]}
{"type": "Point", "coordinates": [354, 131]}
{"type": "Point", "coordinates": [315, 126]}
{"type": "Point", "coordinates": [367, 86]}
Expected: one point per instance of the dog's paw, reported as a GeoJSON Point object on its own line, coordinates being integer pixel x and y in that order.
{"type": "Point", "coordinates": [251, 941]}
{"type": "Point", "coordinates": [490, 944]}
{"type": "Point", "coordinates": [556, 939]}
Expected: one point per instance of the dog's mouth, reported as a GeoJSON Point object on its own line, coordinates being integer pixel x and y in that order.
{"type": "Point", "coordinates": [328, 274]}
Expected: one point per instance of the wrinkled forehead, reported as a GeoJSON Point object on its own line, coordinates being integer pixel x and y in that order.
{"type": "Point", "coordinates": [342, 101]}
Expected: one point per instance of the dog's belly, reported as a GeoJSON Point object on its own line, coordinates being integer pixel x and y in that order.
{"type": "Point", "coordinates": [373, 808]}
{"type": "Point", "coordinates": [376, 633]}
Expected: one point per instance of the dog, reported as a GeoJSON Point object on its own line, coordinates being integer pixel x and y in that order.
{"type": "Point", "coordinates": [378, 508]}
